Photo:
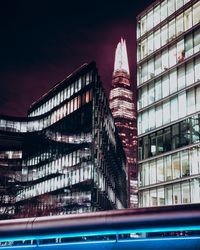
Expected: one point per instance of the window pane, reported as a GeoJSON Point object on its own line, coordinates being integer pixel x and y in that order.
{"type": "Point", "coordinates": [150, 44]}
{"type": "Point", "coordinates": [194, 163]}
{"type": "Point", "coordinates": [165, 60]}
{"type": "Point", "coordinates": [157, 64]}
{"type": "Point", "coordinates": [185, 192]}
{"type": "Point", "coordinates": [173, 81]}
{"type": "Point", "coordinates": [166, 112]}
{"type": "Point", "coordinates": [160, 170]}
{"type": "Point", "coordinates": [152, 172]}
{"type": "Point", "coordinates": [171, 7]}
{"type": "Point", "coordinates": [152, 120]}
{"type": "Point", "coordinates": [188, 19]}
{"type": "Point", "coordinates": [158, 116]}
{"type": "Point", "coordinates": [190, 102]}
{"type": "Point", "coordinates": [158, 90]}
{"type": "Point", "coordinates": [151, 94]}
{"type": "Point", "coordinates": [164, 35]}
{"type": "Point", "coordinates": [195, 190]}
{"type": "Point", "coordinates": [182, 104]}
{"type": "Point", "coordinates": [176, 166]}
{"type": "Point", "coordinates": [163, 10]}
{"type": "Point", "coordinates": [172, 30]}
{"type": "Point", "coordinates": [189, 73]}
{"type": "Point", "coordinates": [150, 20]}
{"type": "Point", "coordinates": [196, 11]}
{"type": "Point", "coordinates": [188, 46]}
{"type": "Point", "coordinates": [161, 197]}
{"type": "Point", "coordinates": [181, 77]}
{"type": "Point", "coordinates": [156, 15]}
{"type": "Point", "coordinates": [165, 86]}
{"type": "Point", "coordinates": [157, 40]}
{"type": "Point", "coordinates": [176, 194]}
{"type": "Point", "coordinates": [174, 109]}
{"type": "Point", "coordinates": [143, 25]}
{"type": "Point", "coordinates": [168, 193]}
{"type": "Point", "coordinates": [153, 198]}
{"type": "Point", "coordinates": [151, 69]}
{"type": "Point", "coordinates": [172, 56]}
{"type": "Point", "coordinates": [184, 163]}
{"type": "Point", "coordinates": [196, 41]}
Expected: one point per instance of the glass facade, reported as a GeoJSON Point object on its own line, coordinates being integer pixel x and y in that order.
{"type": "Point", "coordinates": [66, 154]}
{"type": "Point", "coordinates": [168, 80]}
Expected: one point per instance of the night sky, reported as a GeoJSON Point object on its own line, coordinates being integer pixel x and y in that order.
{"type": "Point", "coordinates": [41, 42]}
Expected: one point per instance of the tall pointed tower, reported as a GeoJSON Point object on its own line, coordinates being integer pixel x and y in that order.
{"type": "Point", "coordinates": [123, 109]}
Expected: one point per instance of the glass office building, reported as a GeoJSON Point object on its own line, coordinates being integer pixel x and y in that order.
{"type": "Point", "coordinates": [168, 81]}
{"type": "Point", "coordinates": [70, 158]}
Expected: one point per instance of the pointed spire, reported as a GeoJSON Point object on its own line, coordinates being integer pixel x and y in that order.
{"type": "Point", "coordinates": [121, 58]}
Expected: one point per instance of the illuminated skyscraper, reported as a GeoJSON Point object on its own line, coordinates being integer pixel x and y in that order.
{"type": "Point", "coordinates": [123, 110]}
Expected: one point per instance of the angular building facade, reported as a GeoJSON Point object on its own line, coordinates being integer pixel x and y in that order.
{"type": "Point", "coordinates": [123, 110]}
{"type": "Point", "coordinates": [168, 63]}
{"type": "Point", "coordinates": [70, 158]}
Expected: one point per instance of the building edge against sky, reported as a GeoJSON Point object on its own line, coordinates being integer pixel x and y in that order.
{"type": "Point", "coordinates": [168, 82]}
{"type": "Point", "coordinates": [122, 105]}
{"type": "Point", "coordinates": [66, 156]}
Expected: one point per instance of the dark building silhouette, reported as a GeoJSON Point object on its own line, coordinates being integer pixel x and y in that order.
{"type": "Point", "coordinates": [123, 109]}
{"type": "Point", "coordinates": [66, 156]}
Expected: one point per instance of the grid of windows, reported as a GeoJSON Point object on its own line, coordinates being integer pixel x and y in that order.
{"type": "Point", "coordinates": [173, 137]}
{"type": "Point", "coordinates": [169, 83]}
{"type": "Point", "coordinates": [158, 14]}
{"type": "Point", "coordinates": [63, 95]}
{"type": "Point", "coordinates": [169, 31]}
{"type": "Point", "coordinates": [35, 124]}
{"type": "Point", "coordinates": [177, 193]}
{"type": "Point", "coordinates": [177, 107]}
{"type": "Point", "coordinates": [168, 102]}
{"type": "Point", "coordinates": [169, 57]}
{"type": "Point", "coordinates": [170, 167]}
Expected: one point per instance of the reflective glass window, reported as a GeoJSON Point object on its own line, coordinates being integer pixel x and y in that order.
{"type": "Point", "coordinates": [165, 60]}
{"type": "Point", "coordinates": [173, 81]}
{"type": "Point", "coordinates": [172, 30]}
{"type": "Point", "coordinates": [176, 166]}
{"type": "Point", "coordinates": [157, 40]}
{"type": "Point", "coordinates": [195, 190]}
{"type": "Point", "coordinates": [156, 18]}
{"type": "Point", "coordinates": [172, 56]}
{"type": "Point", "coordinates": [197, 41]}
{"type": "Point", "coordinates": [150, 20]}
{"type": "Point", "coordinates": [158, 90]}
{"type": "Point", "coordinates": [165, 85]}
{"type": "Point", "coordinates": [171, 7]}
{"type": "Point", "coordinates": [196, 11]}
{"type": "Point", "coordinates": [190, 101]}
{"type": "Point", "coordinates": [176, 194]}
{"type": "Point", "coordinates": [168, 194]}
{"type": "Point", "coordinates": [164, 35]}
{"type": "Point", "coordinates": [182, 104]}
{"type": "Point", "coordinates": [150, 44]}
{"type": "Point", "coordinates": [160, 170]}
{"type": "Point", "coordinates": [158, 64]}
{"type": "Point", "coordinates": [153, 198]}
{"type": "Point", "coordinates": [161, 196]}
{"type": "Point", "coordinates": [174, 109]}
{"type": "Point", "coordinates": [166, 112]}
{"type": "Point", "coordinates": [164, 10]}
{"type": "Point", "coordinates": [188, 19]}
{"type": "Point", "coordinates": [185, 192]}
{"type": "Point", "coordinates": [181, 77]}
